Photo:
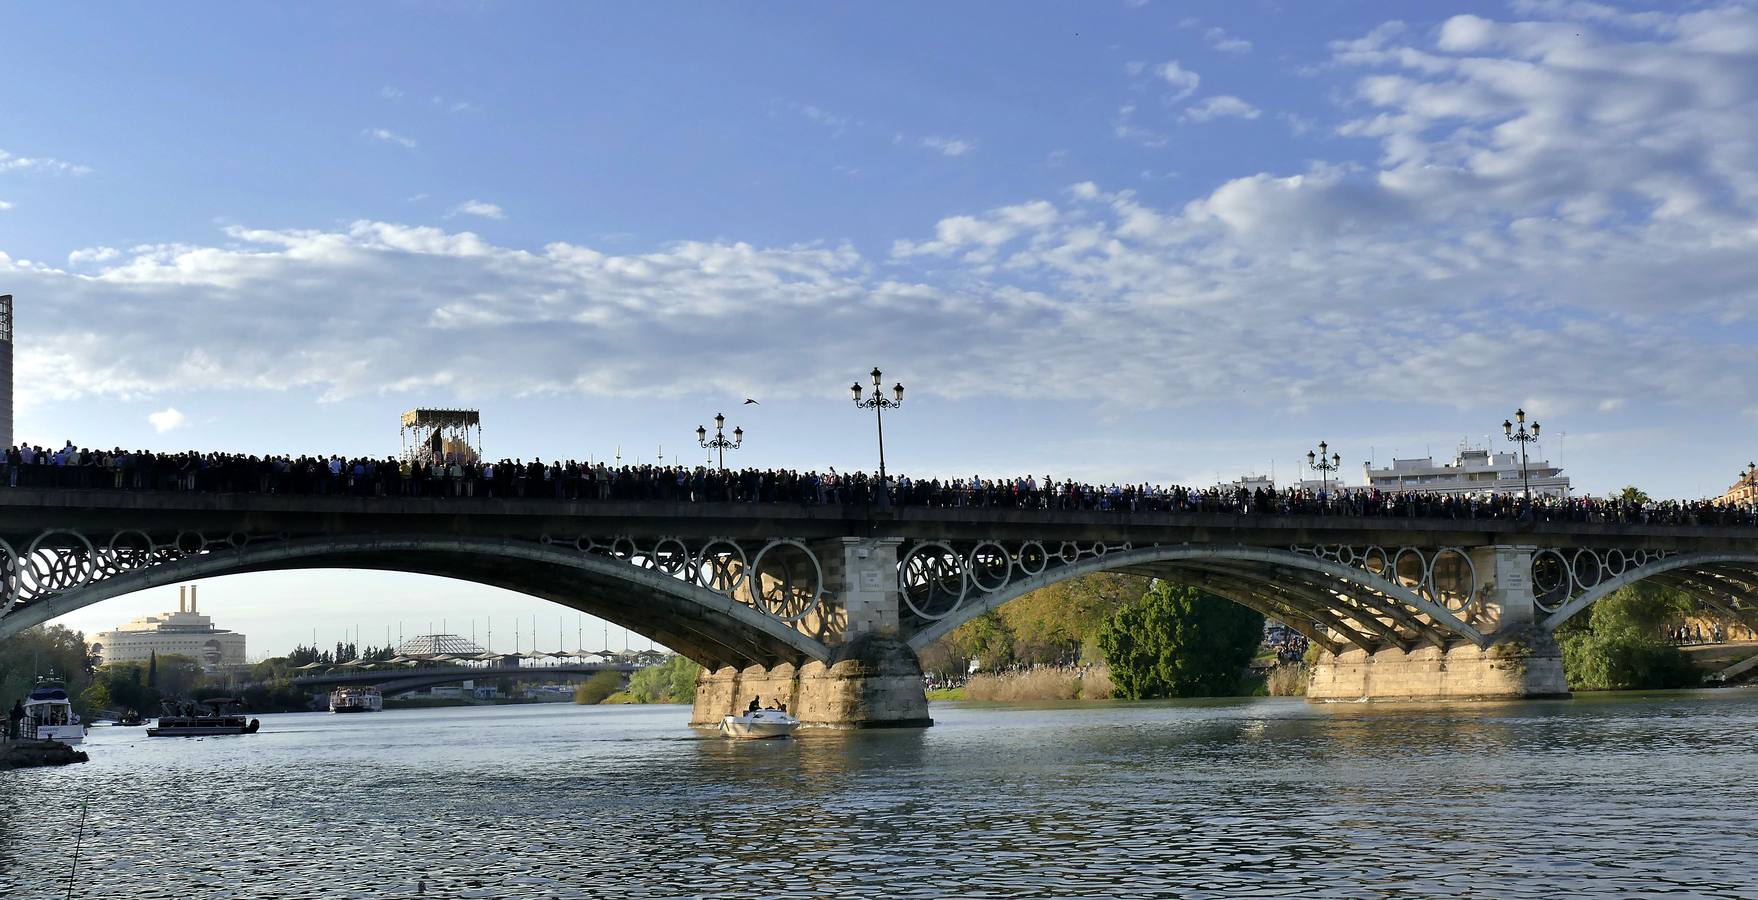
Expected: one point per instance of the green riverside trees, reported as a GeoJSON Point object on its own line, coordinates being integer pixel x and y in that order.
{"type": "Point", "coordinates": [1618, 645]}
{"type": "Point", "coordinates": [1177, 641]}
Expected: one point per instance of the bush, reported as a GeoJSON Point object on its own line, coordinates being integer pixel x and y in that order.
{"type": "Point", "coordinates": [672, 681]}
{"type": "Point", "coordinates": [1619, 646]}
{"type": "Point", "coordinates": [594, 690]}
{"type": "Point", "coordinates": [1287, 680]}
{"type": "Point", "coordinates": [1177, 641]}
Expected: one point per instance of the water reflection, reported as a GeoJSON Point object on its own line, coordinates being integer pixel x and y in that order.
{"type": "Point", "coordinates": [1221, 798]}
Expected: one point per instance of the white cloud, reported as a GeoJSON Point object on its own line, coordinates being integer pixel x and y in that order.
{"type": "Point", "coordinates": [477, 208]}
{"type": "Point", "coordinates": [4, 205]}
{"type": "Point", "coordinates": [1475, 257]}
{"type": "Point", "coordinates": [166, 419]}
{"type": "Point", "coordinates": [949, 146]}
{"type": "Point", "coordinates": [43, 164]}
{"type": "Point", "coordinates": [390, 137]}
{"type": "Point", "coordinates": [1225, 43]}
{"type": "Point", "coordinates": [1219, 107]}
{"type": "Point", "coordinates": [1183, 81]}
{"type": "Point", "coordinates": [91, 255]}
{"type": "Point", "coordinates": [391, 93]}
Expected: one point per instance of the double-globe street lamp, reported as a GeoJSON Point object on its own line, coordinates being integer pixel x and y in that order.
{"type": "Point", "coordinates": [1517, 432]}
{"type": "Point", "coordinates": [879, 404]}
{"type": "Point", "coordinates": [1325, 465]}
{"type": "Point", "coordinates": [720, 443]}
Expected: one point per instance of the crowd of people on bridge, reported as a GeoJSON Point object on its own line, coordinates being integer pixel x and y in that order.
{"type": "Point", "coordinates": [83, 468]}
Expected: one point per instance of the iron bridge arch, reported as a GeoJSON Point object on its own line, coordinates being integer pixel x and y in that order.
{"type": "Point", "coordinates": [693, 609]}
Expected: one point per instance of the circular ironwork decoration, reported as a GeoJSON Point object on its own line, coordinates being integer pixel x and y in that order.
{"type": "Point", "coordinates": [1033, 558]}
{"type": "Point", "coordinates": [669, 556]}
{"type": "Point", "coordinates": [1409, 568]}
{"type": "Point", "coordinates": [1452, 579]}
{"type": "Point", "coordinates": [1586, 569]}
{"type": "Point", "coordinates": [990, 566]}
{"type": "Point", "coordinates": [720, 566]}
{"type": "Point", "coordinates": [932, 580]}
{"type": "Point", "coordinates": [1551, 580]}
{"type": "Point", "coordinates": [58, 560]}
{"type": "Point", "coordinates": [786, 580]}
{"type": "Point", "coordinates": [128, 550]}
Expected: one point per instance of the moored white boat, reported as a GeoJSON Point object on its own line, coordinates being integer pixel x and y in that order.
{"type": "Point", "coordinates": [759, 723]}
{"type": "Point", "coordinates": [48, 707]}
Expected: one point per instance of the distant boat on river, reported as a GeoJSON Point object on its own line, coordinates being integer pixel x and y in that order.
{"type": "Point", "coordinates": [356, 699]}
{"type": "Point", "coordinates": [208, 717]}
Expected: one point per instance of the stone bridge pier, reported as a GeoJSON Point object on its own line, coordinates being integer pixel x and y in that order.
{"type": "Point", "coordinates": [1518, 660]}
{"type": "Point", "coordinates": [872, 679]}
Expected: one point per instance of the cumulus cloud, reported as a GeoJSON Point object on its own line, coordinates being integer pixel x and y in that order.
{"type": "Point", "coordinates": [390, 137]}
{"type": "Point", "coordinates": [1222, 106]}
{"type": "Point", "coordinates": [90, 255]}
{"type": "Point", "coordinates": [1183, 81]}
{"type": "Point", "coordinates": [4, 205]}
{"type": "Point", "coordinates": [477, 208]}
{"type": "Point", "coordinates": [166, 419]}
{"type": "Point", "coordinates": [42, 164]}
{"type": "Point", "coordinates": [1222, 41]}
{"type": "Point", "coordinates": [1473, 254]}
{"type": "Point", "coordinates": [948, 146]}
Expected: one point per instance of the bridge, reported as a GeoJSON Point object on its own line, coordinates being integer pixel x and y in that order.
{"type": "Point", "coordinates": [828, 606]}
{"type": "Point", "coordinates": [404, 680]}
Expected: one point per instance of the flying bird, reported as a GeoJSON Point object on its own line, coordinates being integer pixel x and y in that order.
{"type": "Point", "coordinates": [750, 402]}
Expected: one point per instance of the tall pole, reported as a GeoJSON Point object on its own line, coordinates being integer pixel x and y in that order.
{"type": "Point", "coordinates": [1520, 435]}
{"type": "Point", "coordinates": [878, 403]}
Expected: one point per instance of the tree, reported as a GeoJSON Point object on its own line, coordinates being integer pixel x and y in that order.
{"type": "Point", "coordinates": [1632, 494]}
{"type": "Point", "coordinates": [599, 686]}
{"type": "Point", "coordinates": [1060, 623]}
{"type": "Point", "coordinates": [1619, 645]}
{"type": "Point", "coordinates": [44, 652]}
{"type": "Point", "coordinates": [1177, 641]}
{"type": "Point", "coordinates": [672, 681]}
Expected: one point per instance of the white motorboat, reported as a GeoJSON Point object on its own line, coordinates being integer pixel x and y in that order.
{"type": "Point", "coordinates": [47, 707]}
{"type": "Point", "coordinates": [759, 723]}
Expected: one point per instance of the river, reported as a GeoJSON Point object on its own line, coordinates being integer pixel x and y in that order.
{"type": "Point", "coordinates": [1599, 796]}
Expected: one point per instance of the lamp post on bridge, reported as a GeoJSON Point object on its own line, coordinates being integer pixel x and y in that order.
{"type": "Point", "coordinates": [1522, 436]}
{"type": "Point", "coordinates": [1325, 465]}
{"type": "Point", "coordinates": [720, 443]}
{"type": "Point", "coordinates": [879, 404]}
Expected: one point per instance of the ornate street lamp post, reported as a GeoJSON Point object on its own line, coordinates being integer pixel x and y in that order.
{"type": "Point", "coordinates": [879, 404]}
{"type": "Point", "coordinates": [1325, 465]}
{"type": "Point", "coordinates": [719, 442]}
{"type": "Point", "coordinates": [1517, 432]}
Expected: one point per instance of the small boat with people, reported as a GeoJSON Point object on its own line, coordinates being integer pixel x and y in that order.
{"type": "Point", "coordinates": [356, 699]}
{"type": "Point", "coordinates": [201, 719]}
{"type": "Point", "coordinates": [51, 714]}
{"type": "Point", "coordinates": [760, 722]}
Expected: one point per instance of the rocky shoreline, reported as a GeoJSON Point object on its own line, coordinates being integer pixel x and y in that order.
{"type": "Point", "coordinates": [28, 754]}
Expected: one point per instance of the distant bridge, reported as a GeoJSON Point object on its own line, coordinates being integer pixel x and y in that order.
{"type": "Point", "coordinates": [778, 590]}
{"type": "Point", "coordinates": [403, 681]}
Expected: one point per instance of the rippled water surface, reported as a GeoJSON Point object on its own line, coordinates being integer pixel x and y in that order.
{"type": "Point", "coordinates": [1592, 797]}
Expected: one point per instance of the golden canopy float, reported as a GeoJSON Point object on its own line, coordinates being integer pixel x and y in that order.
{"type": "Point", "coordinates": [442, 435]}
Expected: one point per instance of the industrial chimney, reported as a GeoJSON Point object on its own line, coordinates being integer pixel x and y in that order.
{"type": "Point", "coordinates": [192, 598]}
{"type": "Point", "coordinates": [5, 371]}
{"type": "Point", "coordinates": [182, 598]}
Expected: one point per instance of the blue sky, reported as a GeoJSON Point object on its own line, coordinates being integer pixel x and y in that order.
{"type": "Point", "coordinates": [1156, 241]}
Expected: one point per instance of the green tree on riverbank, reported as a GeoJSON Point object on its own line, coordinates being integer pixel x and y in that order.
{"type": "Point", "coordinates": [672, 681]}
{"type": "Point", "coordinates": [1618, 644]}
{"type": "Point", "coordinates": [1177, 641]}
{"type": "Point", "coordinates": [44, 651]}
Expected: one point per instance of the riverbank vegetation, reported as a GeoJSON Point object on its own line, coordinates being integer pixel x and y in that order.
{"type": "Point", "coordinates": [1620, 644]}
{"type": "Point", "coordinates": [1177, 641]}
{"type": "Point", "coordinates": [672, 681]}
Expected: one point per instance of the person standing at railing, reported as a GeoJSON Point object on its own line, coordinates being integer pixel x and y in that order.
{"type": "Point", "coordinates": [13, 718]}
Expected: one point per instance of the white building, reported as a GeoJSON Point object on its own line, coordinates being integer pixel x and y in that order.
{"type": "Point", "coordinates": [184, 632]}
{"type": "Point", "coordinates": [1471, 472]}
